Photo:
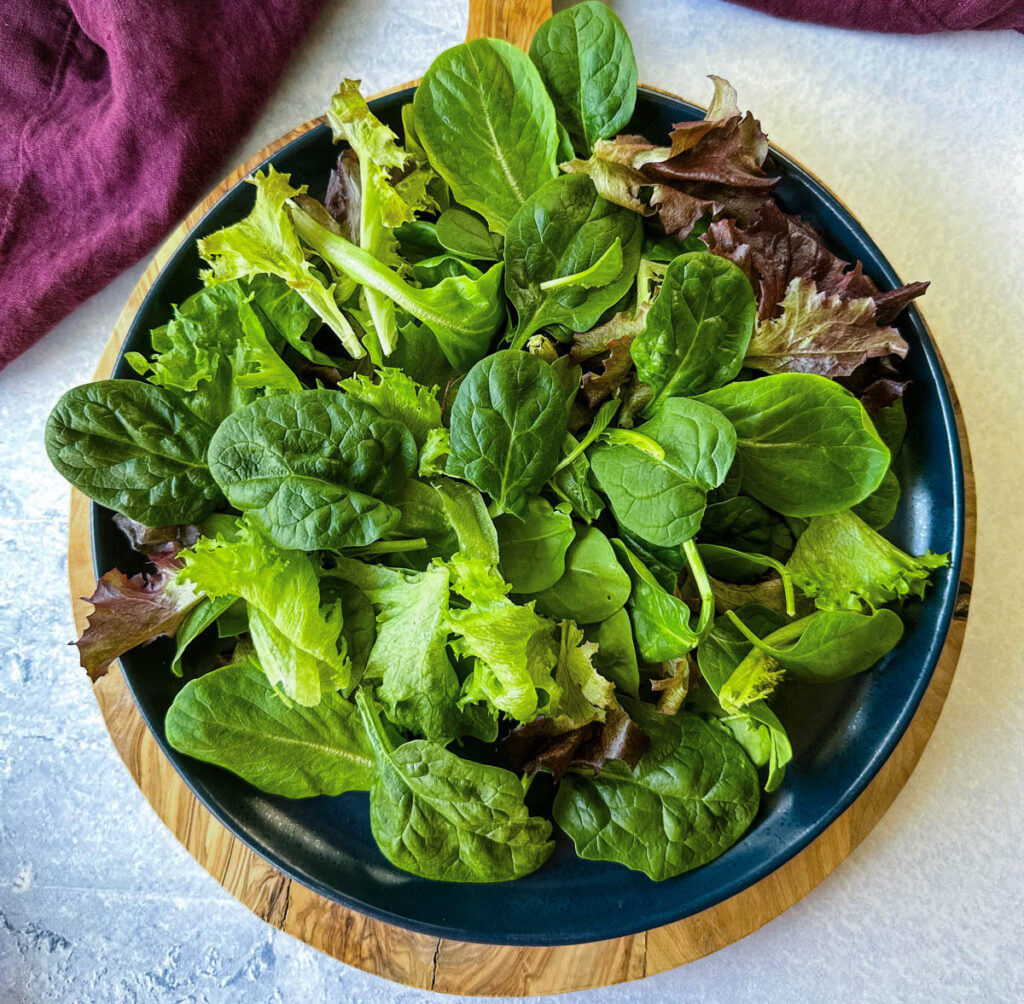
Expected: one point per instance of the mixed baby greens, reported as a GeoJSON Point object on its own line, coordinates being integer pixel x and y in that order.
{"type": "Point", "coordinates": [444, 480]}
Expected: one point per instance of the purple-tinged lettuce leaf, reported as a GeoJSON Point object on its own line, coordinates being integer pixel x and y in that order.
{"type": "Point", "coordinates": [132, 610]}
{"type": "Point", "coordinates": [539, 745]}
{"type": "Point", "coordinates": [160, 541]}
{"type": "Point", "coordinates": [819, 333]}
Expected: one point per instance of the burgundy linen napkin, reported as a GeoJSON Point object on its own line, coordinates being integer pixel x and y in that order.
{"type": "Point", "coordinates": [115, 116]}
{"type": "Point", "coordinates": [914, 17]}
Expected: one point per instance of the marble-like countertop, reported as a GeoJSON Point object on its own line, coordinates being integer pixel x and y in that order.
{"type": "Point", "coordinates": [924, 140]}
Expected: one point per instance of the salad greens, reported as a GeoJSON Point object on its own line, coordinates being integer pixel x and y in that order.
{"type": "Point", "coordinates": [442, 480]}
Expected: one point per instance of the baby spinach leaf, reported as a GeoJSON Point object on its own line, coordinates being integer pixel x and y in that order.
{"type": "Point", "coordinates": [697, 330]}
{"type": "Point", "coordinates": [594, 585]}
{"type": "Point", "coordinates": [615, 657]}
{"type": "Point", "coordinates": [586, 61]}
{"type": "Point", "coordinates": [463, 313]}
{"type": "Point", "coordinates": [691, 797]}
{"type": "Point", "coordinates": [829, 645]}
{"type": "Point", "coordinates": [564, 230]}
{"type": "Point", "coordinates": [740, 522]}
{"type": "Point", "coordinates": [512, 645]}
{"type": "Point", "coordinates": [422, 515]}
{"type": "Point", "coordinates": [845, 565]}
{"type": "Point", "coordinates": [488, 127]}
{"type": "Point", "coordinates": [572, 482]}
{"type": "Point", "coordinates": [661, 621]}
{"type": "Point", "coordinates": [394, 395]}
{"type": "Point", "coordinates": [808, 446]}
{"type": "Point", "coordinates": [435, 815]}
{"type": "Point", "coordinates": [533, 548]}
{"type": "Point", "coordinates": [465, 234]}
{"type": "Point", "coordinates": [661, 499]}
{"type": "Point", "coordinates": [136, 449]}
{"type": "Point", "coordinates": [466, 513]}
{"type": "Point", "coordinates": [314, 469]}
{"type": "Point", "coordinates": [507, 426]}
{"type": "Point", "coordinates": [878, 510]}
{"type": "Point", "coordinates": [296, 640]}
{"type": "Point", "coordinates": [235, 719]}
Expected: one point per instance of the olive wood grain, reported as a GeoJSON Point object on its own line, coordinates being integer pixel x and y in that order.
{"type": "Point", "coordinates": [441, 964]}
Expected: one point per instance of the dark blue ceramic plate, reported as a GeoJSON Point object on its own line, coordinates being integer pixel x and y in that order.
{"type": "Point", "coordinates": [841, 734]}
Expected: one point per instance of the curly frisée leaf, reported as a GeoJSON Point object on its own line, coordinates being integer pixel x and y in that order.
{"type": "Point", "coordinates": [441, 817]}
{"type": "Point", "coordinates": [298, 644]}
{"type": "Point", "coordinates": [845, 565]}
{"type": "Point", "coordinates": [265, 242]}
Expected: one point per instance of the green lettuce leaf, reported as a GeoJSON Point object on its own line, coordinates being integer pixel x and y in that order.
{"type": "Point", "coordinates": [214, 349]}
{"type": "Point", "coordinates": [394, 395]}
{"type": "Point", "coordinates": [298, 643]}
{"type": "Point", "coordinates": [513, 646]}
{"type": "Point", "coordinates": [845, 565]}
{"type": "Point", "coordinates": [586, 695]}
{"type": "Point", "coordinates": [265, 242]}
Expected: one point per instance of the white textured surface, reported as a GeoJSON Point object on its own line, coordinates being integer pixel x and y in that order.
{"type": "Point", "coordinates": [924, 139]}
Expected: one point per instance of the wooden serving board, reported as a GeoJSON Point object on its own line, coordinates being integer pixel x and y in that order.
{"type": "Point", "coordinates": [440, 964]}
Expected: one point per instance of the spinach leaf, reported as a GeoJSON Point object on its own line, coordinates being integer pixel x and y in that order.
{"type": "Point", "coordinates": [594, 585]}
{"type": "Point", "coordinates": [440, 817]}
{"type": "Point", "coordinates": [314, 469]}
{"type": "Point", "coordinates": [808, 446]}
{"type": "Point", "coordinates": [691, 797]}
{"type": "Point", "coordinates": [615, 657]}
{"type": "Point", "coordinates": [829, 645]}
{"type": "Point", "coordinates": [423, 515]}
{"type": "Point", "coordinates": [564, 230]}
{"type": "Point", "coordinates": [467, 515]}
{"type": "Point", "coordinates": [878, 510]}
{"type": "Point", "coordinates": [507, 426]}
{"type": "Point", "coordinates": [845, 565]}
{"type": "Point", "coordinates": [661, 620]}
{"type": "Point", "coordinates": [572, 482]}
{"type": "Point", "coordinates": [488, 127]}
{"type": "Point", "coordinates": [533, 548]}
{"type": "Point", "coordinates": [235, 719]}
{"type": "Point", "coordinates": [463, 313]}
{"type": "Point", "coordinates": [586, 61]}
{"type": "Point", "coordinates": [136, 449]}
{"type": "Point", "coordinates": [740, 522]}
{"type": "Point", "coordinates": [295, 637]}
{"type": "Point", "coordinates": [465, 234]}
{"type": "Point", "coordinates": [698, 329]}
{"type": "Point", "coordinates": [285, 314]}
{"type": "Point", "coordinates": [661, 498]}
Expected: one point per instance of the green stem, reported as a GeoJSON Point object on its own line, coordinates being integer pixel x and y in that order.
{"type": "Point", "coordinates": [770, 643]}
{"type": "Point", "coordinates": [706, 618]}
{"type": "Point", "coordinates": [630, 437]}
{"type": "Point", "coordinates": [604, 415]}
{"type": "Point", "coordinates": [392, 546]}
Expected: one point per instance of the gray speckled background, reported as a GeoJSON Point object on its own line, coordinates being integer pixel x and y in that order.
{"type": "Point", "coordinates": [924, 139]}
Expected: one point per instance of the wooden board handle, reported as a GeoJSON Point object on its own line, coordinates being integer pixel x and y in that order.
{"type": "Point", "coordinates": [513, 20]}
